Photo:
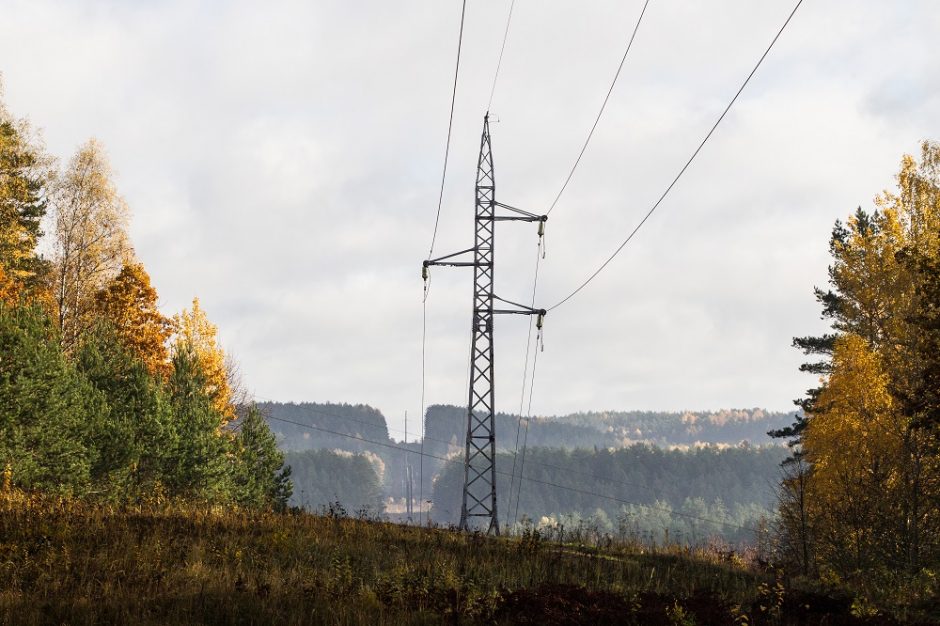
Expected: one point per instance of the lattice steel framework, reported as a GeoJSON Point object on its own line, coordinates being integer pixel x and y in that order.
{"type": "Point", "coordinates": [479, 490]}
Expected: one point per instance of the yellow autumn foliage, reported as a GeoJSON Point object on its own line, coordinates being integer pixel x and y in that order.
{"type": "Point", "coordinates": [865, 501]}
{"type": "Point", "coordinates": [858, 433]}
{"type": "Point", "coordinates": [90, 242]}
{"type": "Point", "coordinates": [876, 287]}
{"type": "Point", "coordinates": [129, 302]}
{"type": "Point", "coordinates": [194, 329]}
{"type": "Point", "coordinates": [24, 175]}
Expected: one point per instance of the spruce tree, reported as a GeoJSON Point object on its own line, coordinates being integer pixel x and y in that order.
{"type": "Point", "coordinates": [261, 480]}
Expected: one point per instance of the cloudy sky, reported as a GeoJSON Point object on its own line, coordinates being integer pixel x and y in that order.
{"type": "Point", "coordinates": [282, 162]}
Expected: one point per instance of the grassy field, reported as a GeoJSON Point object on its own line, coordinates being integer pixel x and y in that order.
{"type": "Point", "coordinates": [69, 562]}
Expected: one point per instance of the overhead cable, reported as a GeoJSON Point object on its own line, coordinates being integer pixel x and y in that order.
{"type": "Point", "coordinates": [450, 124]}
{"type": "Point", "coordinates": [502, 49]}
{"type": "Point", "coordinates": [684, 167]}
{"type": "Point", "coordinates": [601, 111]}
{"type": "Point", "coordinates": [525, 371]}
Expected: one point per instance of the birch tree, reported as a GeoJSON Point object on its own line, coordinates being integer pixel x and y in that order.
{"type": "Point", "coordinates": [90, 238]}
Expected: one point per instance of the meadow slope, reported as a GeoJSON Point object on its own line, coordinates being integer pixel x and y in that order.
{"type": "Point", "coordinates": [71, 562]}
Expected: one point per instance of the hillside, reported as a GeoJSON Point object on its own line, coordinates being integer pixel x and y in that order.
{"type": "Point", "coordinates": [77, 563]}
{"type": "Point", "coordinates": [673, 468]}
{"type": "Point", "coordinates": [446, 424]}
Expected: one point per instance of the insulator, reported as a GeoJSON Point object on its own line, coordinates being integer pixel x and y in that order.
{"type": "Point", "coordinates": [424, 272]}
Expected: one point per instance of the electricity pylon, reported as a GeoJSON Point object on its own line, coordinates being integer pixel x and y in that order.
{"type": "Point", "coordinates": [479, 489]}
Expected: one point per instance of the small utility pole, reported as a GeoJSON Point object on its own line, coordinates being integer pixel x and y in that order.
{"type": "Point", "coordinates": [409, 493]}
{"type": "Point", "coordinates": [479, 490]}
{"type": "Point", "coordinates": [409, 478]}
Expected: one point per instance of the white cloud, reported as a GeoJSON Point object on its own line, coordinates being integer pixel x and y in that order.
{"type": "Point", "coordinates": [282, 162]}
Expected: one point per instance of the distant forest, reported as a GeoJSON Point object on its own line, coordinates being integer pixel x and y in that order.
{"type": "Point", "coordinates": [616, 429]}
{"type": "Point", "coordinates": [675, 467]}
{"type": "Point", "coordinates": [445, 426]}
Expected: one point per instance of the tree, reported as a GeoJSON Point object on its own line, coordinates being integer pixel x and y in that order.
{"type": "Point", "coordinates": [851, 492]}
{"type": "Point", "coordinates": [261, 480]}
{"type": "Point", "coordinates": [794, 529]}
{"type": "Point", "coordinates": [323, 478]}
{"type": "Point", "coordinates": [198, 465]}
{"type": "Point", "coordinates": [878, 379]}
{"type": "Point", "coordinates": [198, 336]}
{"type": "Point", "coordinates": [132, 434]}
{"type": "Point", "coordinates": [129, 302]}
{"type": "Point", "coordinates": [90, 243]}
{"type": "Point", "coordinates": [46, 407]}
{"type": "Point", "coordinates": [24, 177]}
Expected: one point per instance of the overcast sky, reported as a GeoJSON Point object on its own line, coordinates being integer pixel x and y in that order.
{"type": "Point", "coordinates": [282, 162]}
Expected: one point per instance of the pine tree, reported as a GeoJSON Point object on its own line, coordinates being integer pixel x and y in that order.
{"type": "Point", "coordinates": [921, 399]}
{"type": "Point", "coordinates": [199, 465]}
{"type": "Point", "coordinates": [24, 178]}
{"type": "Point", "coordinates": [261, 480]}
{"type": "Point", "coordinates": [47, 409]}
{"type": "Point", "coordinates": [132, 436]}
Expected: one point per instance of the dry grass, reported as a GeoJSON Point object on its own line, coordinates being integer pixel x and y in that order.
{"type": "Point", "coordinates": [64, 561]}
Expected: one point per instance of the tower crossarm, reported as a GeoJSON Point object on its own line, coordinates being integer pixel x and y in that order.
{"type": "Point", "coordinates": [450, 260]}
{"type": "Point", "coordinates": [520, 309]}
{"type": "Point", "coordinates": [520, 215]}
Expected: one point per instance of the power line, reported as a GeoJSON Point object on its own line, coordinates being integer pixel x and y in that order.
{"type": "Point", "coordinates": [564, 186]}
{"type": "Point", "coordinates": [450, 124]}
{"type": "Point", "coordinates": [437, 220]}
{"type": "Point", "coordinates": [525, 439]}
{"type": "Point", "coordinates": [525, 369]}
{"type": "Point", "coordinates": [684, 167]}
{"type": "Point", "coordinates": [424, 343]}
{"type": "Point", "coordinates": [501, 50]}
{"type": "Point", "coordinates": [521, 477]}
{"type": "Point", "coordinates": [601, 111]}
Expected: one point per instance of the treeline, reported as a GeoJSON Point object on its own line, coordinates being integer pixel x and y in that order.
{"type": "Point", "coordinates": [354, 428]}
{"type": "Point", "coordinates": [337, 481]}
{"type": "Point", "coordinates": [639, 487]}
{"type": "Point", "coordinates": [306, 425]}
{"type": "Point", "coordinates": [101, 395]}
{"type": "Point", "coordinates": [313, 425]}
{"type": "Point", "coordinates": [615, 429]}
{"type": "Point", "coordinates": [861, 499]}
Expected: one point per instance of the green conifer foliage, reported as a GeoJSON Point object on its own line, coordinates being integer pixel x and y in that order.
{"type": "Point", "coordinates": [132, 434]}
{"type": "Point", "coordinates": [47, 409]}
{"type": "Point", "coordinates": [23, 180]}
{"type": "Point", "coordinates": [261, 480]}
{"type": "Point", "coordinates": [198, 467]}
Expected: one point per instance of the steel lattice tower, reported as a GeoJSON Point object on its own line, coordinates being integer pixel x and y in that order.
{"type": "Point", "coordinates": [479, 490]}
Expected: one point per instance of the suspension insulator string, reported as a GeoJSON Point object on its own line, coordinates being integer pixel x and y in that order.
{"type": "Point", "coordinates": [540, 334]}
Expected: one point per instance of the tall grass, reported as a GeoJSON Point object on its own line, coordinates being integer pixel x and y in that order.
{"type": "Point", "coordinates": [68, 561]}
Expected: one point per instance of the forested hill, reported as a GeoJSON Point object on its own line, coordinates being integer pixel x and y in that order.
{"type": "Point", "coordinates": [641, 466]}
{"type": "Point", "coordinates": [314, 425]}
{"type": "Point", "coordinates": [309, 425]}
